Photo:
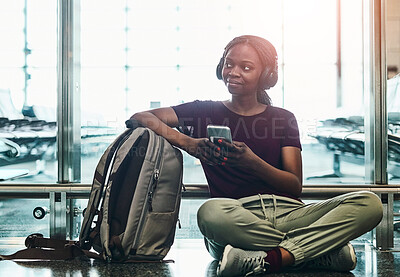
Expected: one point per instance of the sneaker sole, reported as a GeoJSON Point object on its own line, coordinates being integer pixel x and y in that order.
{"type": "Point", "coordinates": [224, 259]}
{"type": "Point", "coordinates": [352, 255]}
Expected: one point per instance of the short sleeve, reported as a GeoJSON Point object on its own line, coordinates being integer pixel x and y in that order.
{"type": "Point", "coordinates": [187, 113]}
{"type": "Point", "coordinates": [292, 135]}
{"type": "Point", "coordinates": [190, 117]}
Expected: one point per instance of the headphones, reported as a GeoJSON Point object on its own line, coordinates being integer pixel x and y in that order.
{"type": "Point", "coordinates": [268, 78]}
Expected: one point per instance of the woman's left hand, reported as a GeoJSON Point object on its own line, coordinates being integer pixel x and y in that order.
{"type": "Point", "coordinates": [234, 154]}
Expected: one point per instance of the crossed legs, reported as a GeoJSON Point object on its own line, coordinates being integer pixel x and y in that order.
{"type": "Point", "coordinates": [303, 232]}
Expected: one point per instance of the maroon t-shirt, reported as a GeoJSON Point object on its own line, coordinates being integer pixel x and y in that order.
{"type": "Point", "coordinates": [265, 133]}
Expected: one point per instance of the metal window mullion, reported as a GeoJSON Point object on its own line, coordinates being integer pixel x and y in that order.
{"type": "Point", "coordinates": [376, 146]}
{"type": "Point", "coordinates": [68, 119]}
{"type": "Point", "coordinates": [383, 99]}
{"type": "Point", "coordinates": [339, 93]}
{"type": "Point", "coordinates": [380, 97]}
{"type": "Point", "coordinates": [375, 92]}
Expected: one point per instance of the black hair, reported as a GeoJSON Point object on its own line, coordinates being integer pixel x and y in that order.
{"type": "Point", "coordinates": [268, 55]}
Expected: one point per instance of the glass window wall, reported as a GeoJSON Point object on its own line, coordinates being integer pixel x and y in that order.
{"type": "Point", "coordinates": [149, 54]}
{"type": "Point", "coordinates": [28, 90]}
{"type": "Point", "coordinates": [393, 90]}
{"type": "Point", "coordinates": [156, 55]}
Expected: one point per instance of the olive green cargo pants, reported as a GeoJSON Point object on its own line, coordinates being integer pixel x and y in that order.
{"type": "Point", "coordinates": [262, 222]}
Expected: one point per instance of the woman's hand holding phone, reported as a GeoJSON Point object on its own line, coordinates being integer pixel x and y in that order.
{"type": "Point", "coordinates": [219, 149]}
{"type": "Point", "coordinates": [203, 149]}
{"type": "Point", "coordinates": [234, 154]}
{"type": "Point", "coordinates": [206, 151]}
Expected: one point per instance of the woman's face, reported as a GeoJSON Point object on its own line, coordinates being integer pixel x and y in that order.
{"type": "Point", "coordinates": [242, 70]}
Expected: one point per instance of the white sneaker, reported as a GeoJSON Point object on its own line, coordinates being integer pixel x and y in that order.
{"type": "Point", "coordinates": [342, 259]}
{"type": "Point", "coordinates": [239, 262]}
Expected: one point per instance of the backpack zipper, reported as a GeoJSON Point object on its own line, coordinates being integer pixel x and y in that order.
{"type": "Point", "coordinates": [148, 204]}
{"type": "Point", "coordinates": [156, 175]}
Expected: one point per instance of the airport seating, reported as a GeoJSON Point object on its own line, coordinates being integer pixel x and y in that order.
{"type": "Point", "coordinates": [30, 135]}
{"type": "Point", "coordinates": [345, 137]}
{"type": "Point", "coordinates": [33, 137]}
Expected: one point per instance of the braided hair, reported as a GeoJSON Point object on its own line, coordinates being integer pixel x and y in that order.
{"type": "Point", "coordinates": [268, 55]}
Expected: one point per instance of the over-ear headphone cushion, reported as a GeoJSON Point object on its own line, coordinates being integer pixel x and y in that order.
{"type": "Point", "coordinates": [269, 77]}
{"type": "Point", "coordinates": [220, 66]}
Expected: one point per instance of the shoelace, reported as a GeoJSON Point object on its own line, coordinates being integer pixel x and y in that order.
{"type": "Point", "coordinates": [253, 265]}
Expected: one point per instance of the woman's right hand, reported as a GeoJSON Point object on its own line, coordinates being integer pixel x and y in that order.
{"type": "Point", "coordinates": [202, 149]}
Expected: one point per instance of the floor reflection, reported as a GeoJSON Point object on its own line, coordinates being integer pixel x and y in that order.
{"type": "Point", "coordinates": [192, 260]}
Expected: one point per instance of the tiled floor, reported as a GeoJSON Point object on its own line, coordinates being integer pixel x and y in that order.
{"type": "Point", "coordinates": [190, 260]}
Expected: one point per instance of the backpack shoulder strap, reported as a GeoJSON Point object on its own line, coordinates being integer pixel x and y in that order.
{"type": "Point", "coordinates": [55, 249]}
{"type": "Point", "coordinates": [98, 183]}
{"type": "Point", "coordinates": [66, 253]}
{"type": "Point", "coordinates": [38, 241]}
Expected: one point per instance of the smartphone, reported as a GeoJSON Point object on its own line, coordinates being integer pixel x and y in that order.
{"type": "Point", "coordinates": [215, 132]}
